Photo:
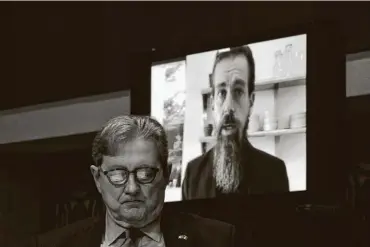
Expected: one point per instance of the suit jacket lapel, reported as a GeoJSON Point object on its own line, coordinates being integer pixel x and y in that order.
{"type": "Point", "coordinates": [248, 166]}
{"type": "Point", "coordinates": [207, 185]}
{"type": "Point", "coordinates": [96, 233]}
{"type": "Point", "coordinates": [176, 232]}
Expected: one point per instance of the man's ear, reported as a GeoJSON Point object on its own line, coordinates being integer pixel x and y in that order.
{"type": "Point", "coordinates": [211, 101]}
{"type": "Point", "coordinates": [167, 174]}
{"type": "Point", "coordinates": [252, 98]}
{"type": "Point", "coordinates": [212, 104]}
{"type": "Point", "coordinates": [95, 173]}
{"type": "Point", "coordinates": [251, 104]}
{"type": "Point", "coordinates": [169, 170]}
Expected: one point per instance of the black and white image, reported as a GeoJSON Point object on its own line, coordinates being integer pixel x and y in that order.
{"type": "Point", "coordinates": [235, 119]}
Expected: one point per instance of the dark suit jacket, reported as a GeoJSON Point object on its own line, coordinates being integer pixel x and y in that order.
{"type": "Point", "coordinates": [200, 232]}
{"type": "Point", "coordinates": [263, 173]}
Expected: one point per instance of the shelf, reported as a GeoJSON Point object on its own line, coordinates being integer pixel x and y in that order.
{"type": "Point", "coordinates": [271, 83]}
{"type": "Point", "coordinates": [279, 132]}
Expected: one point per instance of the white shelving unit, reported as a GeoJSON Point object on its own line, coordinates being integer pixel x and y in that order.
{"type": "Point", "coordinates": [280, 132]}
{"type": "Point", "coordinates": [273, 84]}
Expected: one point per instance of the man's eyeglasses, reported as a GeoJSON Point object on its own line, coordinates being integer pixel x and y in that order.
{"type": "Point", "coordinates": [119, 176]}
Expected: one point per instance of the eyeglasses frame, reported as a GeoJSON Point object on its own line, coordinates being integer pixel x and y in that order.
{"type": "Point", "coordinates": [156, 170]}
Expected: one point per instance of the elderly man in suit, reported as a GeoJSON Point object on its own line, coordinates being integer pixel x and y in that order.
{"type": "Point", "coordinates": [233, 165]}
{"type": "Point", "coordinates": [131, 172]}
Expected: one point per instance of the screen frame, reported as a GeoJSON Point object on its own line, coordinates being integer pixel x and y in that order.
{"type": "Point", "coordinates": [321, 80]}
{"type": "Point", "coordinates": [169, 61]}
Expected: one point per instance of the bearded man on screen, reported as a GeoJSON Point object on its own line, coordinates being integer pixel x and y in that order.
{"type": "Point", "coordinates": [233, 165]}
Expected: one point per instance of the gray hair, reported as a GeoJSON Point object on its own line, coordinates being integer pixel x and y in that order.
{"type": "Point", "coordinates": [122, 129]}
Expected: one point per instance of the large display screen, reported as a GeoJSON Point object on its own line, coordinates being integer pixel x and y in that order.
{"type": "Point", "coordinates": [235, 119]}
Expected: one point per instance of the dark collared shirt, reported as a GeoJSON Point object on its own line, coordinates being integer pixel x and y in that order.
{"type": "Point", "coordinates": [152, 235]}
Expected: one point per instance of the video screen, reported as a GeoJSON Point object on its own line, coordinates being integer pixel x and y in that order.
{"type": "Point", "coordinates": [235, 119]}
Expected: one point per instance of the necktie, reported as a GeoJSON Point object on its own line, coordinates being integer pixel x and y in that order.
{"type": "Point", "coordinates": [134, 234]}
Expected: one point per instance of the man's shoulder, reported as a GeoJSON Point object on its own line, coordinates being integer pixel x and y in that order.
{"type": "Point", "coordinates": [267, 159]}
{"type": "Point", "coordinates": [208, 231]}
{"type": "Point", "coordinates": [199, 161]}
{"type": "Point", "coordinates": [206, 223]}
{"type": "Point", "coordinates": [76, 234]}
{"type": "Point", "coordinates": [196, 161]}
{"type": "Point", "coordinates": [197, 167]}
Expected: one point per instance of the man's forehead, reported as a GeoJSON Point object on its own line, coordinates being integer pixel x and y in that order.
{"type": "Point", "coordinates": [132, 153]}
{"type": "Point", "coordinates": [135, 146]}
{"type": "Point", "coordinates": [132, 149]}
{"type": "Point", "coordinates": [231, 67]}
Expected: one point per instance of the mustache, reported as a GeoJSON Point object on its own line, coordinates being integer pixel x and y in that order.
{"type": "Point", "coordinates": [227, 119]}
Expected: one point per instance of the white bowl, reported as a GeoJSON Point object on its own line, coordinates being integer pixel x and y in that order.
{"type": "Point", "coordinates": [270, 126]}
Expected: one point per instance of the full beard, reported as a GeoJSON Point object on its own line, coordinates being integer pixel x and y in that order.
{"type": "Point", "coordinates": [227, 168]}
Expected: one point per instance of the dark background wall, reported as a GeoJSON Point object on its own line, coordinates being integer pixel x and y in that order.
{"type": "Point", "coordinates": [57, 51]}
{"type": "Point", "coordinates": [71, 49]}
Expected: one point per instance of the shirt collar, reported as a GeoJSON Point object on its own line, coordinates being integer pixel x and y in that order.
{"type": "Point", "coordinates": [114, 231]}
{"type": "Point", "coordinates": [153, 230]}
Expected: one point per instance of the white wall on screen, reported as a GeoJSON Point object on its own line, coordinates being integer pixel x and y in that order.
{"type": "Point", "coordinates": [265, 143]}
{"type": "Point", "coordinates": [290, 100]}
{"type": "Point", "coordinates": [295, 158]}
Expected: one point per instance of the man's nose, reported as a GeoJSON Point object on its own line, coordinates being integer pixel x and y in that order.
{"type": "Point", "coordinates": [229, 104]}
{"type": "Point", "coordinates": [229, 116]}
{"type": "Point", "coordinates": [131, 185]}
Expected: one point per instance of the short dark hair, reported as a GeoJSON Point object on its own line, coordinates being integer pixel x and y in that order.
{"type": "Point", "coordinates": [232, 53]}
{"type": "Point", "coordinates": [122, 129]}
